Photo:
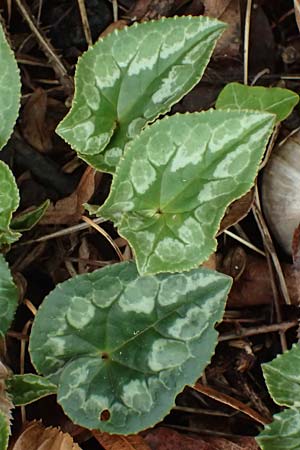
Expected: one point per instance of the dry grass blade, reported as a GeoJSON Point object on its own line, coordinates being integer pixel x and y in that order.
{"type": "Point", "coordinates": [85, 22]}
{"type": "Point", "coordinates": [37, 437]}
{"type": "Point", "coordinates": [118, 442]}
{"type": "Point", "coordinates": [46, 46]}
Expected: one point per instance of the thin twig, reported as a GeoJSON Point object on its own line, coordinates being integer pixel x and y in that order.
{"type": "Point", "coordinates": [253, 331]}
{"type": "Point", "coordinates": [105, 234]}
{"type": "Point", "coordinates": [243, 241]}
{"type": "Point", "coordinates": [270, 247]}
{"type": "Point", "coordinates": [115, 10]}
{"type": "Point", "coordinates": [246, 39]}
{"type": "Point", "coordinates": [30, 306]}
{"type": "Point", "coordinates": [47, 48]}
{"type": "Point", "coordinates": [272, 257]}
{"type": "Point", "coordinates": [60, 233]}
{"type": "Point", "coordinates": [230, 401]}
{"type": "Point", "coordinates": [85, 22]}
{"type": "Point", "coordinates": [22, 363]}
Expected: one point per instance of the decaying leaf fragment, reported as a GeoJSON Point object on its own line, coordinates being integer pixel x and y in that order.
{"type": "Point", "coordinates": [120, 442]}
{"type": "Point", "coordinates": [37, 437]}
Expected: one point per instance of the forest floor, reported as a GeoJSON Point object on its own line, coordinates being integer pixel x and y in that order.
{"type": "Point", "coordinates": [233, 403]}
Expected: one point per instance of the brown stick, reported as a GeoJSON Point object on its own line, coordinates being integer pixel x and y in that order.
{"type": "Point", "coordinates": [227, 400]}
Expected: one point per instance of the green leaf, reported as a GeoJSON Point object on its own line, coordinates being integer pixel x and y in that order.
{"type": "Point", "coordinates": [8, 297]}
{"type": "Point", "coordinates": [283, 433]}
{"type": "Point", "coordinates": [121, 346]}
{"type": "Point", "coordinates": [282, 376]}
{"type": "Point", "coordinates": [9, 90]}
{"type": "Point", "coordinates": [274, 100]}
{"type": "Point", "coordinates": [28, 388]}
{"type": "Point", "coordinates": [131, 77]}
{"type": "Point", "coordinates": [176, 180]}
{"type": "Point", "coordinates": [9, 202]}
{"type": "Point", "coordinates": [28, 219]}
{"type": "Point", "coordinates": [4, 431]}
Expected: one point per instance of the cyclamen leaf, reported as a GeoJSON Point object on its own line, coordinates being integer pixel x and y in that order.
{"type": "Point", "coordinates": [121, 347]}
{"type": "Point", "coordinates": [282, 376]}
{"type": "Point", "coordinates": [274, 100]}
{"type": "Point", "coordinates": [131, 77]}
{"type": "Point", "coordinates": [283, 381]}
{"type": "Point", "coordinates": [283, 433]}
{"type": "Point", "coordinates": [9, 202]}
{"type": "Point", "coordinates": [28, 219]}
{"type": "Point", "coordinates": [8, 297]}
{"type": "Point", "coordinates": [176, 179]}
{"type": "Point", "coordinates": [9, 90]}
{"type": "Point", "coordinates": [28, 388]}
{"type": "Point", "coordinates": [4, 431]}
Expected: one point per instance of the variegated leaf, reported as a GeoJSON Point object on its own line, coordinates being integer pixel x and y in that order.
{"type": "Point", "coordinates": [176, 179]}
{"type": "Point", "coordinates": [8, 297]}
{"type": "Point", "coordinates": [9, 90]}
{"type": "Point", "coordinates": [131, 77]}
{"type": "Point", "coordinates": [120, 346]}
{"type": "Point", "coordinates": [28, 388]}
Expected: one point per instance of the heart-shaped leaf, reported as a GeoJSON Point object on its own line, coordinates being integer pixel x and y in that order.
{"type": "Point", "coordinates": [9, 202]}
{"type": "Point", "coordinates": [120, 346]}
{"type": "Point", "coordinates": [283, 381]}
{"type": "Point", "coordinates": [274, 100]}
{"type": "Point", "coordinates": [28, 388]}
{"type": "Point", "coordinates": [283, 433]}
{"type": "Point", "coordinates": [9, 90]}
{"type": "Point", "coordinates": [131, 77]}
{"type": "Point", "coordinates": [282, 376]}
{"type": "Point", "coordinates": [4, 431]}
{"type": "Point", "coordinates": [8, 297]}
{"type": "Point", "coordinates": [176, 179]}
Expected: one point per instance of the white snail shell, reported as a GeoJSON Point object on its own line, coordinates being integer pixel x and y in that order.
{"type": "Point", "coordinates": [281, 191]}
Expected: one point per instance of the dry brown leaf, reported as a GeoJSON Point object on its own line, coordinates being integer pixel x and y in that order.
{"type": "Point", "coordinates": [244, 443]}
{"type": "Point", "coordinates": [237, 211]}
{"type": "Point", "coordinates": [33, 124]}
{"type": "Point", "coordinates": [68, 210]}
{"type": "Point", "coordinates": [118, 25]}
{"type": "Point", "coordinates": [167, 439]}
{"type": "Point", "coordinates": [118, 442]}
{"type": "Point", "coordinates": [253, 285]}
{"type": "Point", "coordinates": [229, 12]}
{"type": "Point", "coordinates": [297, 12]}
{"type": "Point", "coordinates": [296, 248]}
{"type": "Point", "coordinates": [37, 437]}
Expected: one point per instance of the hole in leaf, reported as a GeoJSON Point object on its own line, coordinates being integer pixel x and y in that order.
{"type": "Point", "coordinates": [159, 211]}
{"type": "Point", "coordinates": [104, 355]}
{"type": "Point", "coordinates": [105, 415]}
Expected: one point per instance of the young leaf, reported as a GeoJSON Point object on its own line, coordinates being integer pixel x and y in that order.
{"type": "Point", "coordinates": [176, 179]}
{"type": "Point", "coordinates": [28, 388]}
{"type": "Point", "coordinates": [282, 376]}
{"type": "Point", "coordinates": [9, 90]}
{"type": "Point", "coordinates": [9, 202]}
{"type": "Point", "coordinates": [131, 77]}
{"type": "Point", "coordinates": [283, 433]}
{"type": "Point", "coordinates": [121, 347]}
{"type": "Point", "coordinates": [8, 297]}
{"type": "Point", "coordinates": [28, 219]}
{"type": "Point", "coordinates": [274, 100]}
{"type": "Point", "coordinates": [4, 431]}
